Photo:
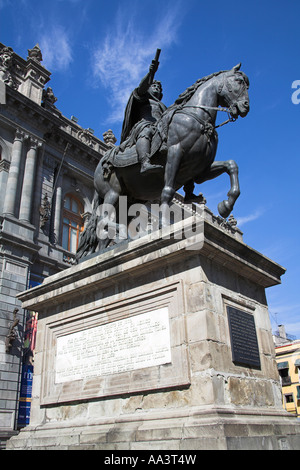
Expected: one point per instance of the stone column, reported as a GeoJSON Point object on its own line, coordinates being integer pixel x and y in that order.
{"type": "Point", "coordinates": [13, 176]}
{"type": "Point", "coordinates": [28, 181]}
{"type": "Point", "coordinates": [58, 209]}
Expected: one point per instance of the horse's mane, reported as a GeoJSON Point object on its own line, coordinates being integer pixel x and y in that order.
{"type": "Point", "coordinates": [188, 93]}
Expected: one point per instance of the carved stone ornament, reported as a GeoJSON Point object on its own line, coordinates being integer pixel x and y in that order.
{"type": "Point", "coordinates": [48, 98]}
{"type": "Point", "coordinates": [35, 53]}
{"type": "Point", "coordinates": [11, 336]}
{"type": "Point", "coordinates": [86, 137]}
{"type": "Point", "coordinates": [109, 138]}
{"type": "Point", "coordinates": [232, 221]}
{"type": "Point", "coordinates": [45, 211]}
{"type": "Point", "coordinates": [6, 67]}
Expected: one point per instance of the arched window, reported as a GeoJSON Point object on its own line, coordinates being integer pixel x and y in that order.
{"type": "Point", "coordinates": [72, 223]}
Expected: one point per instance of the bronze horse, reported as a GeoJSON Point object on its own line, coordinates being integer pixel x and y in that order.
{"type": "Point", "coordinates": [191, 144]}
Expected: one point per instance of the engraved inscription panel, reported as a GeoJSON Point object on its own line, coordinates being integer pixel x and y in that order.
{"type": "Point", "coordinates": [243, 337]}
{"type": "Point", "coordinates": [124, 345]}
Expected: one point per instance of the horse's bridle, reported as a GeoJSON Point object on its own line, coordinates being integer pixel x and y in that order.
{"type": "Point", "coordinates": [212, 108]}
{"type": "Point", "coordinates": [226, 110]}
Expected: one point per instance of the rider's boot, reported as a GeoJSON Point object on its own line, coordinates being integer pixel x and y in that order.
{"type": "Point", "coordinates": [147, 167]}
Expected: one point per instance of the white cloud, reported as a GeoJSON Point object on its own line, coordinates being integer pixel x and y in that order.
{"type": "Point", "coordinates": [124, 56]}
{"type": "Point", "coordinates": [249, 218]}
{"type": "Point", "coordinates": [56, 48]}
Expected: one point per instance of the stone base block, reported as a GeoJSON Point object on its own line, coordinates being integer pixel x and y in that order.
{"type": "Point", "coordinates": [160, 343]}
{"type": "Point", "coordinates": [205, 429]}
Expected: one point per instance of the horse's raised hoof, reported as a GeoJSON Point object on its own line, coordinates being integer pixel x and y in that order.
{"type": "Point", "coordinates": [224, 209]}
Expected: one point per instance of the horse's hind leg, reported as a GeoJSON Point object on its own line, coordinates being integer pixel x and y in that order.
{"type": "Point", "coordinates": [173, 162]}
{"type": "Point", "coordinates": [107, 226]}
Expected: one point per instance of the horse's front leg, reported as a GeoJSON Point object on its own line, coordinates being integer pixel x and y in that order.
{"type": "Point", "coordinates": [226, 207]}
{"type": "Point", "coordinates": [218, 168]}
{"type": "Point", "coordinates": [172, 166]}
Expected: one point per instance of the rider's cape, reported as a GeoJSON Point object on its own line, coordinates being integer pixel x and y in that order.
{"type": "Point", "coordinates": [125, 154]}
{"type": "Point", "coordinates": [132, 115]}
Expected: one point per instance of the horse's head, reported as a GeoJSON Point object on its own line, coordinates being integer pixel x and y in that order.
{"type": "Point", "coordinates": [233, 91]}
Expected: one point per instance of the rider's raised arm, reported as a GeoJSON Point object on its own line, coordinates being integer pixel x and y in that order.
{"type": "Point", "coordinates": [147, 81]}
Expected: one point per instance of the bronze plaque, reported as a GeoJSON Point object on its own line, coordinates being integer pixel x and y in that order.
{"type": "Point", "coordinates": [243, 337]}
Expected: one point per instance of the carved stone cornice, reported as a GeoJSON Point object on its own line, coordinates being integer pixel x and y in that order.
{"type": "Point", "coordinates": [27, 110]}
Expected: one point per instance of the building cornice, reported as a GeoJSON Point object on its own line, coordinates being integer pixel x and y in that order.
{"type": "Point", "coordinates": [56, 129]}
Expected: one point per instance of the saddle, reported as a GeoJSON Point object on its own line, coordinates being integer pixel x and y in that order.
{"type": "Point", "coordinates": [126, 154]}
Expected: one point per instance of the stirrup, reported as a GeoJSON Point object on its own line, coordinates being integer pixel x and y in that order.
{"type": "Point", "coordinates": [146, 166]}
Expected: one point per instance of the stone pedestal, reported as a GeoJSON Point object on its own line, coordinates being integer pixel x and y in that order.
{"type": "Point", "coordinates": [159, 343]}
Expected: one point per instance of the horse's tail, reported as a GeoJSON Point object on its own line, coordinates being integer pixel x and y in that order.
{"type": "Point", "coordinates": [88, 239]}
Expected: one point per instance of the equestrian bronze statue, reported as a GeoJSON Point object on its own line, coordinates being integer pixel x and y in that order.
{"type": "Point", "coordinates": [163, 149]}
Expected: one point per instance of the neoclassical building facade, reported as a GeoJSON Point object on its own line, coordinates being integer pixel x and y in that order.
{"type": "Point", "coordinates": [47, 162]}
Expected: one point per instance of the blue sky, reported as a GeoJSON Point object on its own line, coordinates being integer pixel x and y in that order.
{"type": "Point", "coordinates": [98, 51]}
